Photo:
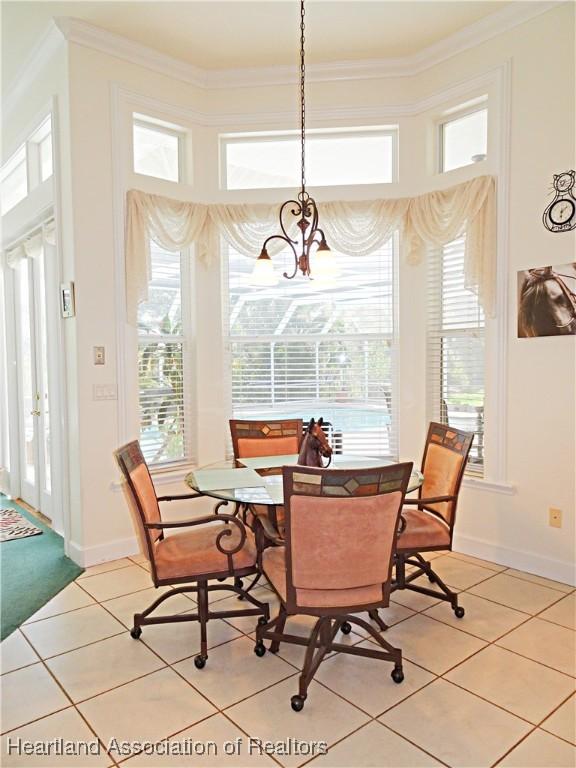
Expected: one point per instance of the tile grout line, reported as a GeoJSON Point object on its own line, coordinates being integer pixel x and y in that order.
{"type": "Point", "coordinates": [361, 639]}
{"type": "Point", "coordinates": [72, 702]}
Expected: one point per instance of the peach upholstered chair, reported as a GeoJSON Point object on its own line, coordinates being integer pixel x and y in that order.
{"type": "Point", "coordinates": [427, 522]}
{"type": "Point", "coordinates": [341, 528]}
{"type": "Point", "coordinates": [214, 547]}
{"type": "Point", "coordinates": [252, 439]}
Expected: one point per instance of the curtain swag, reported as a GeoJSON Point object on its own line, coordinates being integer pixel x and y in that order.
{"type": "Point", "coordinates": [31, 247]}
{"type": "Point", "coordinates": [352, 228]}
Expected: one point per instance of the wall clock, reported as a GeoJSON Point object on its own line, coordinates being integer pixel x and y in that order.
{"type": "Point", "coordinates": [560, 215]}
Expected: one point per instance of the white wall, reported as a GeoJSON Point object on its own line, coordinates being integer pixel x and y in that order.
{"type": "Point", "coordinates": [539, 420]}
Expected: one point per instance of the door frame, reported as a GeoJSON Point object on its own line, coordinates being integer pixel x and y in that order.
{"type": "Point", "coordinates": [26, 218]}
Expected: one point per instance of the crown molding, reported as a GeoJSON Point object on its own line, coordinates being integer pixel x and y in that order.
{"type": "Point", "coordinates": [510, 16]}
{"type": "Point", "coordinates": [80, 32]}
{"type": "Point", "coordinates": [51, 41]}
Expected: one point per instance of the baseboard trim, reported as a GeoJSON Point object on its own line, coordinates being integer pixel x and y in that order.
{"type": "Point", "coordinates": [102, 553]}
{"type": "Point", "coordinates": [531, 562]}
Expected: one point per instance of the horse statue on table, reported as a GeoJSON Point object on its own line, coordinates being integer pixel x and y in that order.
{"type": "Point", "coordinates": [315, 446]}
{"type": "Point", "coordinates": [547, 306]}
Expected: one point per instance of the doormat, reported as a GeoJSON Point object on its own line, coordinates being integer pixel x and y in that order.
{"type": "Point", "coordinates": [13, 525]}
{"type": "Point", "coordinates": [32, 571]}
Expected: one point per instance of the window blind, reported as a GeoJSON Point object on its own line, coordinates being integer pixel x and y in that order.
{"type": "Point", "coordinates": [307, 349]}
{"type": "Point", "coordinates": [455, 355]}
{"type": "Point", "coordinates": [163, 364]}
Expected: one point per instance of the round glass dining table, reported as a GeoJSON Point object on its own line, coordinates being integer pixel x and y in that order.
{"type": "Point", "coordinates": [259, 480]}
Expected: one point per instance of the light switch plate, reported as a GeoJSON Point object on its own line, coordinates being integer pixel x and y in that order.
{"type": "Point", "coordinates": [104, 392]}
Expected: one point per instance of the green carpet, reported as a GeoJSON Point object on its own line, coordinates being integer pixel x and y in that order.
{"type": "Point", "coordinates": [32, 571]}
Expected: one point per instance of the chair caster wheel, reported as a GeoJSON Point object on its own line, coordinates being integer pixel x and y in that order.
{"type": "Point", "coordinates": [459, 612]}
{"type": "Point", "coordinates": [135, 632]}
{"type": "Point", "coordinates": [262, 621]}
{"type": "Point", "coordinates": [431, 578]}
{"type": "Point", "coordinates": [260, 649]}
{"type": "Point", "coordinates": [297, 703]}
{"type": "Point", "coordinates": [238, 583]}
{"type": "Point", "coordinates": [345, 628]}
{"type": "Point", "coordinates": [397, 674]}
{"type": "Point", "coordinates": [200, 662]}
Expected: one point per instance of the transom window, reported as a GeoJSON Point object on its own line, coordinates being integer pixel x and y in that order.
{"type": "Point", "coordinates": [29, 166]}
{"type": "Point", "coordinates": [260, 161]}
{"type": "Point", "coordinates": [304, 349]}
{"type": "Point", "coordinates": [464, 138]}
{"type": "Point", "coordinates": [157, 148]}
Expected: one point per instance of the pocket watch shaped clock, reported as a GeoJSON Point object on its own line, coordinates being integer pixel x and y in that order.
{"type": "Point", "coordinates": [560, 215]}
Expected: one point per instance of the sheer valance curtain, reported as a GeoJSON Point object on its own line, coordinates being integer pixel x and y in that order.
{"type": "Point", "coordinates": [31, 247]}
{"type": "Point", "coordinates": [355, 229]}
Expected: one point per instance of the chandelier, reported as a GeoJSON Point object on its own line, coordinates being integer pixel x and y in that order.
{"type": "Point", "coordinates": [304, 209]}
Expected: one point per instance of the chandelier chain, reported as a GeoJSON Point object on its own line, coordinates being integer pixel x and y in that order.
{"type": "Point", "coordinates": [302, 98]}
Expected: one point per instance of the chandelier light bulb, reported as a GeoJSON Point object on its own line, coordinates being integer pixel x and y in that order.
{"type": "Point", "coordinates": [263, 274]}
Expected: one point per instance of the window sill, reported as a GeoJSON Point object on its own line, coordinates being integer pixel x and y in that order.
{"type": "Point", "coordinates": [479, 484]}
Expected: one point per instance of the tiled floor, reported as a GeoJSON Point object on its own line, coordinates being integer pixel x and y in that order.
{"type": "Point", "coordinates": [494, 688]}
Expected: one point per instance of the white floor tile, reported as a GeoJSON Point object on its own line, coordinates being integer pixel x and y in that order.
{"type": "Point", "coordinates": [126, 606]}
{"type": "Point", "coordinates": [431, 644]}
{"type": "Point", "coordinates": [540, 750]}
{"type": "Point", "coordinates": [477, 561]}
{"type": "Point", "coordinates": [563, 612]}
{"type": "Point", "coordinates": [69, 599]}
{"type": "Point", "coordinates": [96, 668]}
{"type": "Point", "coordinates": [516, 593]}
{"type": "Point", "coordinates": [563, 722]}
{"type": "Point", "coordinates": [148, 709]}
{"type": "Point", "coordinates": [209, 736]}
{"type": "Point", "coordinates": [105, 586]}
{"type": "Point", "coordinates": [540, 580]}
{"type": "Point", "coordinates": [374, 746]}
{"type": "Point", "coordinates": [367, 682]}
{"type": "Point", "coordinates": [233, 672]}
{"type": "Point", "coordinates": [28, 694]}
{"type": "Point", "coordinates": [111, 565]}
{"type": "Point", "coordinates": [547, 643]}
{"type": "Point", "coordinates": [66, 725]}
{"type": "Point", "coordinates": [67, 631]}
{"type": "Point", "coordinates": [16, 652]}
{"type": "Point", "coordinates": [516, 684]}
{"type": "Point", "coordinates": [268, 715]}
{"type": "Point", "coordinates": [460, 574]}
{"type": "Point", "coordinates": [483, 618]}
{"type": "Point", "coordinates": [174, 642]}
{"type": "Point", "coordinates": [453, 725]}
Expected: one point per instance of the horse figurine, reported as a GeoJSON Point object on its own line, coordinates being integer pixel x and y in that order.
{"type": "Point", "coordinates": [547, 305]}
{"type": "Point", "coordinates": [315, 446]}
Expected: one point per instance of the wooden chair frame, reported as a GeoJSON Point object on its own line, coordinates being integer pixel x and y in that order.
{"type": "Point", "coordinates": [201, 587]}
{"type": "Point", "coordinates": [330, 620]}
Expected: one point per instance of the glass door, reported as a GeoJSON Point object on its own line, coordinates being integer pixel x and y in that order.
{"type": "Point", "coordinates": [33, 393]}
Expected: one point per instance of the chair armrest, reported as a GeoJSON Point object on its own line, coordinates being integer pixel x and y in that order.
{"type": "Point", "coordinates": [430, 500]}
{"type": "Point", "coordinates": [209, 519]}
{"type": "Point", "coordinates": [180, 496]}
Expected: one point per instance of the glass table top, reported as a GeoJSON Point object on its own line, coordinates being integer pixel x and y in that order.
{"type": "Point", "coordinates": [259, 480]}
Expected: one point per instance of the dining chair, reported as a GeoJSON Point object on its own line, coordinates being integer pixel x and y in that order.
{"type": "Point", "coordinates": [218, 546]}
{"type": "Point", "coordinates": [336, 560]}
{"type": "Point", "coordinates": [427, 522]}
{"type": "Point", "coordinates": [252, 439]}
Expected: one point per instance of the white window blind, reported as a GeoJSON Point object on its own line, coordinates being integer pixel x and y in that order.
{"type": "Point", "coordinates": [303, 349]}
{"type": "Point", "coordinates": [455, 362]}
{"type": "Point", "coordinates": [163, 370]}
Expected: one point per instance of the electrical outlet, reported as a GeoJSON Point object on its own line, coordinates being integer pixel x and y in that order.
{"type": "Point", "coordinates": [555, 517]}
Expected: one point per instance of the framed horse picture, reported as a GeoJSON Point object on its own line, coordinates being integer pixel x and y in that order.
{"type": "Point", "coordinates": [547, 301]}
